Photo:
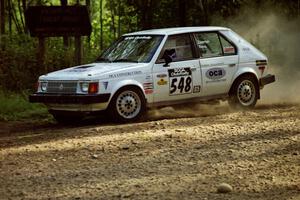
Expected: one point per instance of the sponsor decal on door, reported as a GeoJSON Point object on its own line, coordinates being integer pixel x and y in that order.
{"type": "Point", "coordinates": [215, 75]}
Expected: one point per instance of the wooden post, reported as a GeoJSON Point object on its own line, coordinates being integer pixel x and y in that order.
{"type": "Point", "coordinates": [78, 50]}
{"type": "Point", "coordinates": [88, 5]}
{"type": "Point", "coordinates": [65, 38]}
{"type": "Point", "coordinates": [41, 54]}
{"type": "Point", "coordinates": [78, 45]}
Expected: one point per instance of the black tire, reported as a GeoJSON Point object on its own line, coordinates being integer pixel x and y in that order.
{"type": "Point", "coordinates": [244, 92]}
{"type": "Point", "coordinates": [67, 117]}
{"type": "Point", "coordinates": [127, 105]}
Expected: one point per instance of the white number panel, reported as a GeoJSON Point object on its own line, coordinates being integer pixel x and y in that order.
{"type": "Point", "coordinates": [180, 81]}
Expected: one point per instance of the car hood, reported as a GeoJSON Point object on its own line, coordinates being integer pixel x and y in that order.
{"type": "Point", "coordinates": [93, 71]}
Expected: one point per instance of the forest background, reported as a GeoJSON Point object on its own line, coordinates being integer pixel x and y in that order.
{"type": "Point", "coordinates": [271, 25]}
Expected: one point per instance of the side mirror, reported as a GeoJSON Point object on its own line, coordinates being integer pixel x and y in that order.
{"type": "Point", "coordinates": [167, 56]}
{"type": "Point", "coordinates": [167, 59]}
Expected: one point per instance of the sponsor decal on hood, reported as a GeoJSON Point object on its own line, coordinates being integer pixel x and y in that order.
{"type": "Point", "coordinates": [125, 74]}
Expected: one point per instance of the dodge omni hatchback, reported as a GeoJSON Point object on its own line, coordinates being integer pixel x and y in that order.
{"type": "Point", "coordinates": [155, 68]}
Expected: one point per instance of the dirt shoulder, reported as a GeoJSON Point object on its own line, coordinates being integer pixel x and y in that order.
{"type": "Point", "coordinates": [184, 156]}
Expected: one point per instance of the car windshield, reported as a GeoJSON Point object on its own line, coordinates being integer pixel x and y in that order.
{"type": "Point", "coordinates": [138, 48]}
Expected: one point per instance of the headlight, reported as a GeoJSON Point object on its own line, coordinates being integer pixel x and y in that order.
{"type": "Point", "coordinates": [84, 87]}
{"type": "Point", "coordinates": [43, 86]}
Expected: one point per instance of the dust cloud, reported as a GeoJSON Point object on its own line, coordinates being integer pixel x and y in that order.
{"type": "Point", "coordinates": [191, 110]}
{"type": "Point", "coordinates": [279, 39]}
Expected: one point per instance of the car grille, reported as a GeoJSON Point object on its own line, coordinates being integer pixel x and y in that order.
{"type": "Point", "coordinates": [63, 87]}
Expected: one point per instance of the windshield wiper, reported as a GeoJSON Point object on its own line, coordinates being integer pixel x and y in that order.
{"type": "Point", "coordinates": [125, 60]}
{"type": "Point", "coordinates": [103, 60]}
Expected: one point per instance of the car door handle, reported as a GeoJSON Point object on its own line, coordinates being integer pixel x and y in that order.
{"type": "Point", "coordinates": [193, 68]}
{"type": "Point", "coordinates": [216, 64]}
{"type": "Point", "coordinates": [232, 65]}
{"type": "Point", "coordinates": [161, 75]}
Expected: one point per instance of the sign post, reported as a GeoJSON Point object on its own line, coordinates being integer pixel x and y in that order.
{"type": "Point", "coordinates": [78, 50]}
{"type": "Point", "coordinates": [65, 38]}
{"type": "Point", "coordinates": [41, 53]}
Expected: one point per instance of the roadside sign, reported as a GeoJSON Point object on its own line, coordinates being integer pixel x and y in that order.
{"type": "Point", "coordinates": [54, 21]}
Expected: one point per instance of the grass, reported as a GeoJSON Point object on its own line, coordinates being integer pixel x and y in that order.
{"type": "Point", "coordinates": [16, 107]}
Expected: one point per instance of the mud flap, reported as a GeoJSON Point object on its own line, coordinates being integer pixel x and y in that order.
{"type": "Point", "coordinates": [266, 80]}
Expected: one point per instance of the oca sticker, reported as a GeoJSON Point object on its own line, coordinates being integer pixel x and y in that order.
{"type": "Point", "coordinates": [215, 73]}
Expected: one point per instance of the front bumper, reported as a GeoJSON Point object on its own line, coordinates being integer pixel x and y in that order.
{"type": "Point", "coordinates": [68, 99]}
{"type": "Point", "coordinates": [266, 80]}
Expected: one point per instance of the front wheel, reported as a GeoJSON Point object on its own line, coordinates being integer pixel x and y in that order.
{"type": "Point", "coordinates": [244, 93]}
{"type": "Point", "coordinates": [127, 105]}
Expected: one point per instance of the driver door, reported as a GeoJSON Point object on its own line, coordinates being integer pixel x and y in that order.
{"type": "Point", "coordinates": [181, 78]}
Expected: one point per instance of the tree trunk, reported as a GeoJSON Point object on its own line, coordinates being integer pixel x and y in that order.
{"type": "Point", "coordinates": [182, 12]}
{"type": "Point", "coordinates": [101, 25]}
{"type": "Point", "coordinates": [21, 15]}
{"type": "Point", "coordinates": [119, 18]}
{"type": "Point", "coordinates": [203, 8]}
{"type": "Point", "coordinates": [112, 19]}
{"type": "Point", "coordinates": [298, 9]}
{"type": "Point", "coordinates": [9, 17]}
{"type": "Point", "coordinates": [24, 7]}
{"type": "Point", "coordinates": [206, 11]}
{"type": "Point", "coordinates": [2, 16]}
{"type": "Point", "coordinates": [15, 19]}
{"type": "Point", "coordinates": [146, 11]}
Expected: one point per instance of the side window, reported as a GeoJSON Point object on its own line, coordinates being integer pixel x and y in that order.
{"type": "Point", "coordinates": [228, 48]}
{"type": "Point", "coordinates": [209, 45]}
{"type": "Point", "coordinates": [179, 47]}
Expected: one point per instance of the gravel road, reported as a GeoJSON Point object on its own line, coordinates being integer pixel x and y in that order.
{"type": "Point", "coordinates": [176, 154]}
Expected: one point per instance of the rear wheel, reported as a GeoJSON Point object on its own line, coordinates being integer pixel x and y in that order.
{"type": "Point", "coordinates": [127, 105]}
{"type": "Point", "coordinates": [244, 92]}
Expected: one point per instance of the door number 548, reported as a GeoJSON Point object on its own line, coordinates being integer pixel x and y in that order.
{"type": "Point", "coordinates": [180, 85]}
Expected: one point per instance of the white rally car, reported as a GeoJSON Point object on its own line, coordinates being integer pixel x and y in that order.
{"type": "Point", "coordinates": [158, 67]}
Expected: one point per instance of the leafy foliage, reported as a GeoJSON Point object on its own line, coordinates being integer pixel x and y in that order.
{"type": "Point", "coordinates": [16, 107]}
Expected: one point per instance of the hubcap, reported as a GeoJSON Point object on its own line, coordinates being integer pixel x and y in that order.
{"type": "Point", "coordinates": [128, 104]}
{"type": "Point", "coordinates": [246, 92]}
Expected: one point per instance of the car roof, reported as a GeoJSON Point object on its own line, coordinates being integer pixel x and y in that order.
{"type": "Point", "coordinates": [177, 30]}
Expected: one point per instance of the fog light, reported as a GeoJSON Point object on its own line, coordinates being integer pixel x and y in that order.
{"type": "Point", "coordinates": [43, 86]}
{"type": "Point", "coordinates": [93, 88]}
{"type": "Point", "coordinates": [84, 86]}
